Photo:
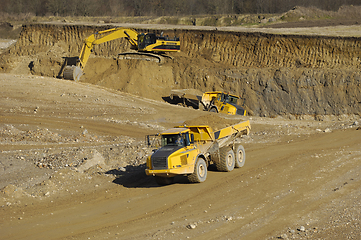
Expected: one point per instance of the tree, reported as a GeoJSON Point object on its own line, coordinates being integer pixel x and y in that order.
{"type": "Point", "coordinates": [161, 7]}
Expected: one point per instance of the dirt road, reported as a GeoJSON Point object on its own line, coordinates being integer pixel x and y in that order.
{"type": "Point", "coordinates": [72, 167]}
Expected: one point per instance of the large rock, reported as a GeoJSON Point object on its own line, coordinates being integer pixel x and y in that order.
{"type": "Point", "coordinates": [97, 159]}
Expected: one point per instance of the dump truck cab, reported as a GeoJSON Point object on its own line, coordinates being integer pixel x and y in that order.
{"type": "Point", "coordinates": [176, 154]}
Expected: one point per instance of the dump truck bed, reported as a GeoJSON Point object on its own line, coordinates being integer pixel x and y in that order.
{"type": "Point", "coordinates": [186, 93]}
{"type": "Point", "coordinates": [226, 135]}
{"type": "Point", "coordinates": [205, 134]}
{"type": "Point", "coordinates": [236, 128]}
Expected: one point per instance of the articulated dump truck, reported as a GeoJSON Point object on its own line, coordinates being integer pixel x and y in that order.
{"type": "Point", "coordinates": [216, 101]}
{"type": "Point", "coordinates": [189, 150]}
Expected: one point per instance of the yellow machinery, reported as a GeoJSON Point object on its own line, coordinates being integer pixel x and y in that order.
{"type": "Point", "coordinates": [144, 43]}
{"type": "Point", "coordinates": [188, 150]}
{"type": "Point", "coordinates": [215, 101]}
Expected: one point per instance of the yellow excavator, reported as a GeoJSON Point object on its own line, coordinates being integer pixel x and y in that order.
{"type": "Point", "coordinates": [145, 44]}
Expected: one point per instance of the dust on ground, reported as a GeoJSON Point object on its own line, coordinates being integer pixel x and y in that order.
{"type": "Point", "coordinates": [73, 156]}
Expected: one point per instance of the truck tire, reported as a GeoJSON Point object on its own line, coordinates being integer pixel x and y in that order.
{"type": "Point", "coordinates": [213, 109]}
{"type": "Point", "coordinates": [200, 172]}
{"type": "Point", "coordinates": [240, 156]}
{"type": "Point", "coordinates": [164, 180]}
{"type": "Point", "coordinates": [226, 161]}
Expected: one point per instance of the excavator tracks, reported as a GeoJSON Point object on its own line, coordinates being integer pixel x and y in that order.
{"type": "Point", "coordinates": [159, 58]}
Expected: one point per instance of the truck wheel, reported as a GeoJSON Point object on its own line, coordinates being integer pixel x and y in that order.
{"type": "Point", "coordinates": [200, 172]}
{"type": "Point", "coordinates": [226, 161]}
{"type": "Point", "coordinates": [164, 180]}
{"type": "Point", "coordinates": [240, 156]}
{"type": "Point", "coordinates": [213, 110]}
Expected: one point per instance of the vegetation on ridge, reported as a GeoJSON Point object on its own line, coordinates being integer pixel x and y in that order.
{"type": "Point", "coordinates": [122, 8]}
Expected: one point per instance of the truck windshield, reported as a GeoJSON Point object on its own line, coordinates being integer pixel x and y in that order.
{"type": "Point", "coordinates": [231, 99]}
{"type": "Point", "coordinates": [172, 140]}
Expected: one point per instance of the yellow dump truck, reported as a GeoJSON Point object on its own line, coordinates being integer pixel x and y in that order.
{"type": "Point", "coordinates": [189, 150]}
{"type": "Point", "coordinates": [216, 101]}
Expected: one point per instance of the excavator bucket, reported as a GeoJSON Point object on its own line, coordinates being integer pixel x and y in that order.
{"type": "Point", "coordinates": [72, 73]}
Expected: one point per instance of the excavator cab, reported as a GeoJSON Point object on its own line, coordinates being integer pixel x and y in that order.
{"type": "Point", "coordinates": [145, 40]}
{"type": "Point", "coordinates": [149, 42]}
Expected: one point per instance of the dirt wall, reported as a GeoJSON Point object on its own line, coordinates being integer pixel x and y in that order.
{"type": "Point", "coordinates": [267, 50]}
{"type": "Point", "coordinates": [275, 74]}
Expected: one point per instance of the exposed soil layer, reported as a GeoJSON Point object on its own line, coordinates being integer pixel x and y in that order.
{"type": "Point", "coordinates": [275, 74]}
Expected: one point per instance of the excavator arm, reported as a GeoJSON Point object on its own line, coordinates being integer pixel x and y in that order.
{"type": "Point", "coordinates": [106, 36]}
{"type": "Point", "coordinates": [75, 72]}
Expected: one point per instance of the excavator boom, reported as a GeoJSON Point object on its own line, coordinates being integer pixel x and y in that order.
{"type": "Point", "coordinates": [99, 38]}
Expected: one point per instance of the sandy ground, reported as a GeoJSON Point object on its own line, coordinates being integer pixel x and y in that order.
{"type": "Point", "coordinates": [72, 160]}
{"type": "Point", "coordinates": [72, 167]}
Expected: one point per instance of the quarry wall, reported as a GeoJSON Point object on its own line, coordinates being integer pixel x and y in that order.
{"type": "Point", "coordinates": [274, 74]}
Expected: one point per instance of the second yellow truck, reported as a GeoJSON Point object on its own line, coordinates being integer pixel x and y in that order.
{"type": "Point", "coordinates": [215, 101]}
